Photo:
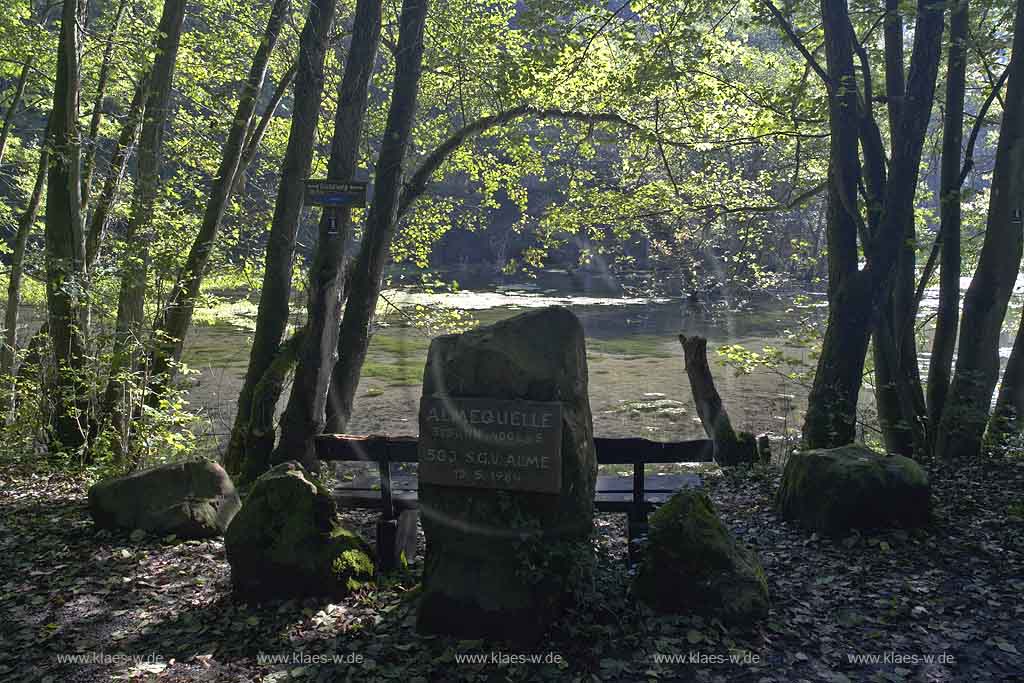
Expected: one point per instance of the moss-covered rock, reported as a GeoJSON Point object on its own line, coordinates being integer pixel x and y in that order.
{"type": "Point", "coordinates": [193, 499]}
{"type": "Point", "coordinates": [287, 541]}
{"type": "Point", "coordinates": [501, 564]}
{"type": "Point", "coordinates": [691, 563]}
{"type": "Point", "coordinates": [852, 487]}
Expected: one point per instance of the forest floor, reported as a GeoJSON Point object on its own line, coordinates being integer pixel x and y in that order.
{"type": "Point", "coordinates": [78, 604]}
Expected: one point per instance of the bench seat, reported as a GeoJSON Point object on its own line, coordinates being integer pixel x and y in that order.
{"type": "Point", "coordinates": [393, 489]}
{"type": "Point", "coordinates": [614, 493]}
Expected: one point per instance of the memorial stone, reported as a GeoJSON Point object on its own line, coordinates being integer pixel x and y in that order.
{"type": "Point", "coordinates": [507, 476]}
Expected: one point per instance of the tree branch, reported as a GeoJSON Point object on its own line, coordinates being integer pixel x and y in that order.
{"type": "Point", "coordinates": [417, 182]}
{"type": "Point", "coordinates": [978, 123]}
{"type": "Point", "coordinates": [797, 43]}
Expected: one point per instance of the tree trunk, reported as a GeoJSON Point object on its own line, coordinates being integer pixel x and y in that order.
{"type": "Point", "coordinates": [855, 295]}
{"type": "Point", "coordinates": [977, 364]}
{"type": "Point", "coordinates": [25, 224]}
{"type": "Point", "coordinates": [947, 319]}
{"type": "Point", "coordinates": [382, 219]}
{"type": "Point", "coordinates": [832, 404]}
{"type": "Point", "coordinates": [894, 347]}
{"type": "Point", "coordinates": [731, 447]}
{"type": "Point", "coordinates": [259, 436]}
{"type": "Point", "coordinates": [118, 165]}
{"type": "Point", "coordinates": [304, 415]}
{"type": "Point", "coordinates": [172, 326]}
{"type": "Point", "coordinates": [255, 136]}
{"type": "Point", "coordinates": [65, 243]}
{"type": "Point", "coordinates": [890, 255]}
{"type": "Point", "coordinates": [19, 92]}
{"type": "Point", "coordinates": [134, 270]}
{"type": "Point", "coordinates": [97, 108]}
{"type": "Point", "coordinates": [272, 316]}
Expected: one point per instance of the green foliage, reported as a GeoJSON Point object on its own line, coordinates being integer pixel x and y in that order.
{"type": "Point", "coordinates": [159, 430]}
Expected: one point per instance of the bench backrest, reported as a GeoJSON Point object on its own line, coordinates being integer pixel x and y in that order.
{"type": "Point", "coordinates": [637, 452]}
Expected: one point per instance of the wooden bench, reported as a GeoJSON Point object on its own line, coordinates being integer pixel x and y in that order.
{"type": "Point", "coordinates": [395, 494]}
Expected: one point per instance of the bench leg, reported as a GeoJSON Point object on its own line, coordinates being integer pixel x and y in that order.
{"type": "Point", "coordinates": [396, 538]}
{"type": "Point", "coordinates": [636, 527]}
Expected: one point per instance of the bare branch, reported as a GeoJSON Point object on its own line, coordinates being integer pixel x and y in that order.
{"type": "Point", "coordinates": [797, 43]}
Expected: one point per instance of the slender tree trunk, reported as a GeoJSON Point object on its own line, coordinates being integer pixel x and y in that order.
{"type": "Point", "coordinates": [97, 108]}
{"type": "Point", "coordinates": [131, 300]}
{"type": "Point", "coordinates": [65, 243]}
{"type": "Point", "coordinates": [255, 136]}
{"type": "Point", "coordinates": [25, 224]}
{"type": "Point", "coordinates": [304, 415]}
{"type": "Point", "coordinates": [272, 316]}
{"type": "Point", "coordinates": [88, 164]}
{"type": "Point", "coordinates": [891, 253]}
{"type": "Point", "coordinates": [170, 329]}
{"type": "Point", "coordinates": [382, 218]}
{"type": "Point", "coordinates": [832, 405]}
{"type": "Point", "coordinates": [118, 164]}
{"type": "Point", "coordinates": [267, 392]}
{"type": "Point", "coordinates": [19, 92]}
{"type": "Point", "coordinates": [894, 347]}
{"type": "Point", "coordinates": [977, 365]}
{"type": "Point", "coordinates": [941, 363]}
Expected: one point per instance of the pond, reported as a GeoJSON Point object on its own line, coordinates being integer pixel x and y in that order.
{"type": "Point", "coordinates": [638, 384]}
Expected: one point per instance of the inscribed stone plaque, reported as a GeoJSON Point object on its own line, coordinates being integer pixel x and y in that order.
{"type": "Point", "coordinates": [491, 444]}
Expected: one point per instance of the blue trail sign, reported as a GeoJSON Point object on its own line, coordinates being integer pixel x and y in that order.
{"type": "Point", "coordinates": [327, 192]}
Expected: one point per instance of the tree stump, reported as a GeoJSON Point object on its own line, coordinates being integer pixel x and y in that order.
{"type": "Point", "coordinates": [731, 447]}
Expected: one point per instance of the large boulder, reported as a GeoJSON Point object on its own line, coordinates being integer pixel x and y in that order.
{"type": "Point", "coordinates": [852, 487]}
{"type": "Point", "coordinates": [188, 499]}
{"type": "Point", "coordinates": [691, 563]}
{"type": "Point", "coordinates": [287, 541]}
{"type": "Point", "coordinates": [501, 564]}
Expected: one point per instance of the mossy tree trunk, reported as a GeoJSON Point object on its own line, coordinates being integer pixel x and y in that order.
{"type": "Point", "coordinates": [1007, 207]}
{"type": "Point", "coordinates": [65, 242]}
{"type": "Point", "coordinates": [304, 415]}
{"type": "Point", "coordinates": [383, 215]}
{"type": "Point", "coordinates": [272, 315]}
{"type": "Point", "coordinates": [856, 294]}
